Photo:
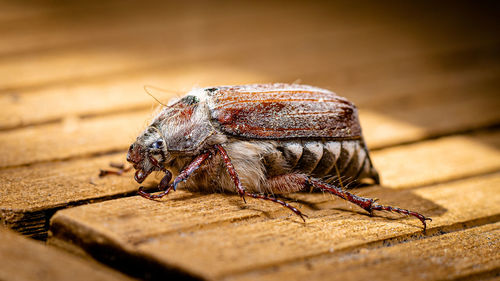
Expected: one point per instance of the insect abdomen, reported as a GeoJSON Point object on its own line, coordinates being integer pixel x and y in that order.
{"type": "Point", "coordinates": [328, 159]}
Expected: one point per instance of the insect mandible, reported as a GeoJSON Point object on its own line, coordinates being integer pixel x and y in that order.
{"type": "Point", "coordinates": [258, 140]}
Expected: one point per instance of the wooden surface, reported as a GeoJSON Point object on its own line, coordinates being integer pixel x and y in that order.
{"type": "Point", "coordinates": [24, 259]}
{"type": "Point", "coordinates": [426, 82]}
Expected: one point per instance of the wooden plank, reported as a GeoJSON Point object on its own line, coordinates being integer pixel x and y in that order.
{"type": "Point", "coordinates": [364, 83]}
{"type": "Point", "coordinates": [472, 253]}
{"type": "Point", "coordinates": [447, 71]}
{"type": "Point", "coordinates": [14, 11]}
{"type": "Point", "coordinates": [429, 116]}
{"type": "Point", "coordinates": [24, 259]}
{"type": "Point", "coordinates": [267, 242]}
{"type": "Point", "coordinates": [457, 105]}
{"type": "Point", "coordinates": [57, 141]}
{"type": "Point", "coordinates": [100, 62]}
{"type": "Point", "coordinates": [119, 23]}
{"type": "Point", "coordinates": [441, 160]}
{"type": "Point", "coordinates": [74, 137]}
{"type": "Point", "coordinates": [34, 12]}
{"type": "Point", "coordinates": [30, 195]}
{"type": "Point", "coordinates": [135, 55]}
{"type": "Point", "coordinates": [122, 94]}
{"type": "Point", "coordinates": [406, 76]}
{"type": "Point", "coordinates": [311, 36]}
{"type": "Point", "coordinates": [115, 20]}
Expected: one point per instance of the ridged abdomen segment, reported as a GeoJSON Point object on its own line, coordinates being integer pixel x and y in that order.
{"type": "Point", "coordinates": [329, 159]}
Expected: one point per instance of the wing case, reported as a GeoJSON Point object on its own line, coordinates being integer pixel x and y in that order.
{"type": "Point", "coordinates": [282, 111]}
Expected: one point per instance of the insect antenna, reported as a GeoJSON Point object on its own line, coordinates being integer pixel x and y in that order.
{"type": "Point", "coordinates": [147, 89]}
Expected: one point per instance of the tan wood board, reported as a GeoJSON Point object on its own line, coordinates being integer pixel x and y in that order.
{"type": "Point", "coordinates": [364, 83]}
{"type": "Point", "coordinates": [124, 24]}
{"type": "Point", "coordinates": [24, 259]}
{"type": "Point", "coordinates": [80, 137]}
{"type": "Point", "coordinates": [440, 160]}
{"type": "Point", "coordinates": [471, 253]}
{"type": "Point", "coordinates": [310, 34]}
{"type": "Point", "coordinates": [71, 90]}
{"type": "Point", "coordinates": [30, 195]}
{"type": "Point", "coordinates": [118, 95]}
{"type": "Point", "coordinates": [417, 120]}
{"type": "Point", "coordinates": [220, 250]}
{"type": "Point", "coordinates": [72, 138]}
{"type": "Point", "coordinates": [131, 56]}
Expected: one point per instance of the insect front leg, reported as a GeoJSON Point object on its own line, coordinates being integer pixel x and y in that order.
{"type": "Point", "coordinates": [183, 175]}
{"type": "Point", "coordinates": [234, 176]}
{"type": "Point", "coordinates": [163, 185]}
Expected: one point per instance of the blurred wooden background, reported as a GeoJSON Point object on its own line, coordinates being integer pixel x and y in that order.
{"type": "Point", "coordinates": [425, 77]}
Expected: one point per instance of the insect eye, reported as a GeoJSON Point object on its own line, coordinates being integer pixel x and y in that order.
{"type": "Point", "coordinates": [157, 144]}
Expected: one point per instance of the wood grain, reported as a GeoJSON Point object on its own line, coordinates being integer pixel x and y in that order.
{"type": "Point", "coordinates": [72, 138]}
{"type": "Point", "coordinates": [472, 253]}
{"type": "Point", "coordinates": [85, 137]}
{"type": "Point", "coordinates": [24, 259]}
{"type": "Point", "coordinates": [123, 94]}
{"type": "Point", "coordinates": [30, 195]}
{"type": "Point", "coordinates": [116, 24]}
{"type": "Point", "coordinates": [359, 81]}
{"type": "Point", "coordinates": [71, 91]}
{"type": "Point", "coordinates": [265, 242]}
{"type": "Point", "coordinates": [84, 62]}
{"type": "Point", "coordinates": [440, 160]}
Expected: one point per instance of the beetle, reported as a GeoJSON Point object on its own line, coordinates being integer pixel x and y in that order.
{"type": "Point", "coordinates": [258, 140]}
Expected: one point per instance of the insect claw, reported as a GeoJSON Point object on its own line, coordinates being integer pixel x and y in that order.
{"type": "Point", "coordinates": [423, 219]}
{"type": "Point", "coordinates": [142, 193]}
{"type": "Point", "coordinates": [303, 216]}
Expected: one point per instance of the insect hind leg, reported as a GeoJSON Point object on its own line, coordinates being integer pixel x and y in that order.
{"type": "Point", "coordinates": [282, 203]}
{"type": "Point", "coordinates": [366, 203]}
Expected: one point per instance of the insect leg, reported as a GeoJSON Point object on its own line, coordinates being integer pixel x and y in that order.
{"type": "Point", "coordinates": [120, 170]}
{"type": "Point", "coordinates": [163, 185]}
{"type": "Point", "coordinates": [366, 203]}
{"type": "Point", "coordinates": [282, 203]}
{"type": "Point", "coordinates": [231, 171]}
{"type": "Point", "coordinates": [183, 175]}
{"type": "Point", "coordinates": [234, 175]}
